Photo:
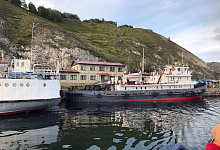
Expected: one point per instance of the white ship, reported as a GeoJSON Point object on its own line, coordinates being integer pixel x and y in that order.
{"type": "Point", "coordinates": [173, 85]}
{"type": "Point", "coordinates": [24, 91]}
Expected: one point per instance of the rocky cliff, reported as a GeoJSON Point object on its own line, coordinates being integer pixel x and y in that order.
{"type": "Point", "coordinates": [73, 39]}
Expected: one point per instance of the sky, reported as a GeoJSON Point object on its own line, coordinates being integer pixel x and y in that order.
{"type": "Point", "coordinates": [192, 24]}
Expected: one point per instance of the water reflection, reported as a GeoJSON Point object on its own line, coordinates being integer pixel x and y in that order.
{"type": "Point", "coordinates": [112, 126]}
{"type": "Point", "coordinates": [133, 125]}
{"type": "Point", "coordinates": [32, 131]}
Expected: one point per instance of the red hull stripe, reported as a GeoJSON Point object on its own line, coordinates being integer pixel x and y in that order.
{"type": "Point", "coordinates": [177, 99]}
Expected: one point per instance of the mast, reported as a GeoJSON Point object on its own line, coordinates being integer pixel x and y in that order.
{"type": "Point", "coordinates": [143, 61]}
{"type": "Point", "coordinates": [182, 58]}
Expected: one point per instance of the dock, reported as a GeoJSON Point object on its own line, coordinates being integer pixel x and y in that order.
{"type": "Point", "coordinates": [212, 92]}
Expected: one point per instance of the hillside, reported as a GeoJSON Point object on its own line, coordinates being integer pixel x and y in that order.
{"type": "Point", "coordinates": [215, 66]}
{"type": "Point", "coordinates": [74, 39]}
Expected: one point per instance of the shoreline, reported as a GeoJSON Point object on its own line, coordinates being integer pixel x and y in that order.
{"type": "Point", "coordinates": [212, 92]}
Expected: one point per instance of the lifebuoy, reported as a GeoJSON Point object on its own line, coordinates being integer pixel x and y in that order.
{"type": "Point", "coordinates": [99, 95]}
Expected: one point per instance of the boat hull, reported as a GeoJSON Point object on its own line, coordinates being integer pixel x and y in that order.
{"type": "Point", "coordinates": [19, 106]}
{"type": "Point", "coordinates": [135, 96]}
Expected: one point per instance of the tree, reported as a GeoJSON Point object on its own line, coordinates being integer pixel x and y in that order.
{"type": "Point", "coordinates": [16, 2]}
{"type": "Point", "coordinates": [32, 8]}
{"type": "Point", "coordinates": [70, 16]}
{"type": "Point", "coordinates": [43, 12]}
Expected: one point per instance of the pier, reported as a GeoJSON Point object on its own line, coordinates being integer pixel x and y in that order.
{"type": "Point", "coordinates": [212, 92]}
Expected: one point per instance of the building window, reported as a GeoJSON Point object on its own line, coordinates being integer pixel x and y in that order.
{"type": "Point", "coordinates": [112, 69]}
{"type": "Point", "coordinates": [92, 77]}
{"type": "Point", "coordinates": [83, 68]}
{"type": "Point", "coordinates": [101, 68]}
{"type": "Point", "coordinates": [62, 77]}
{"type": "Point", "coordinates": [73, 77]}
{"type": "Point", "coordinates": [92, 68]}
{"type": "Point", "coordinates": [119, 69]}
{"type": "Point", "coordinates": [83, 77]}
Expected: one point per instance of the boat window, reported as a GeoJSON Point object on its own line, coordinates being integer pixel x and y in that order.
{"type": "Point", "coordinates": [14, 84]}
{"type": "Point", "coordinates": [125, 88]}
{"type": "Point", "coordinates": [28, 84]}
{"type": "Point", "coordinates": [21, 85]}
{"type": "Point", "coordinates": [0, 84]}
{"type": "Point", "coordinates": [44, 84]}
{"type": "Point", "coordinates": [22, 64]}
{"type": "Point", "coordinates": [136, 88]}
{"type": "Point", "coordinates": [178, 69]}
{"type": "Point", "coordinates": [6, 84]}
{"type": "Point", "coordinates": [141, 88]}
{"type": "Point", "coordinates": [145, 87]}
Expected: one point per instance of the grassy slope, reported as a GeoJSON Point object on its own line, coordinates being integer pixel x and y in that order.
{"type": "Point", "coordinates": [214, 66]}
{"type": "Point", "coordinates": [105, 40]}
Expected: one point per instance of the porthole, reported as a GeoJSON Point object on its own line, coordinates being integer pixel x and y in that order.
{"type": "Point", "coordinates": [21, 85]}
{"type": "Point", "coordinates": [14, 84]}
{"type": "Point", "coordinates": [28, 84]}
{"type": "Point", "coordinates": [44, 84]}
{"type": "Point", "coordinates": [6, 84]}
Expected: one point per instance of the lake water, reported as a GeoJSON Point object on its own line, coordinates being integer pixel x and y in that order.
{"type": "Point", "coordinates": [112, 126]}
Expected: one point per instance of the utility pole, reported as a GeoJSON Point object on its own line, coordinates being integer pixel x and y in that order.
{"type": "Point", "coordinates": [32, 37]}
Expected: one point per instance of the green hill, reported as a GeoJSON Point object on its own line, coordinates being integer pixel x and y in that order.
{"type": "Point", "coordinates": [215, 66]}
{"type": "Point", "coordinates": [101, 40]}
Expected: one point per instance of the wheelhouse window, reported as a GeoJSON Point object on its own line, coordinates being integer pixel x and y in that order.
{"type": "Point", "coordinates": [73, 77]}
{"type": "Point", "coordinates": [92, 68]}
{"type": "Point", "coordinates": [22, 64]}
{"type": "Point", "coordinates": [92, 77]}
{"type": "Point", "coordinates": [62, 77]}
{"type": "Point", "coordinates": [101, 68]}
{"type": "Point", "coordinates": [83, 77]}
{"type": "Point", "coordinates": [83, 68]}
{"type": "Point", "coordinates": [119, 69]}
{"type": "Point", "coordinates": [112, 69]}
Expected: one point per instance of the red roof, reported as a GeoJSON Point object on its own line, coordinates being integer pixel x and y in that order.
{"type": "Point", "coordinates": [98, 63]}
{"type": "Point", "coordinates": [105, 74]}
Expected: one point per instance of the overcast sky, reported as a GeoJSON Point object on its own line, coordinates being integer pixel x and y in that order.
{"type": "Point", "coordinates": [192, 24]}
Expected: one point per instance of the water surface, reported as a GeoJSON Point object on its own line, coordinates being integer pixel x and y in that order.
{"type": "Point", "coordinates": [112, 126]}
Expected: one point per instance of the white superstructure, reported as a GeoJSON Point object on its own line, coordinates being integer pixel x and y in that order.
{"type": "Point", "coordinates": [173, 77]}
